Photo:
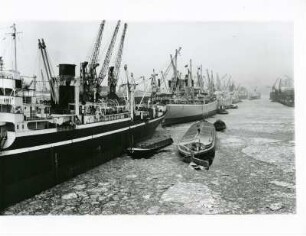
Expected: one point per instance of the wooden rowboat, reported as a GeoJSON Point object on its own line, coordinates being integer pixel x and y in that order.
{"type": "Point", "coordinates": [198, 143]}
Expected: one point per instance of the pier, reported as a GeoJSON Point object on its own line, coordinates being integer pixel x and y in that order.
{"type": "Point", "coordinates": [253, 173]}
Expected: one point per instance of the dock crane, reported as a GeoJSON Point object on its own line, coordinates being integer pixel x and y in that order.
{"type": "Point", "coordinates": [209, 81]}
{"type": "Point", "coordinates": [155, 84]}
{"type": "Point", "coordinates": [174, 82]}
{"type": "Point", "coordinates": [164, 74]}
{"type": "Point", "coordinates": [218, 82]}
{"type": "Point", "coordinates": [274, 85]}
{"type": "Point", "coordinates": [93, 62]}
{"type": "Point", "coordinates": [113, 72]}
{"type": "Point", "coordinates": [52, 80]}
{"type": "Point", "coordinates": [200, 82]}
{"type": "Point", "coordinates": [108, 56]}
{"type": "Point", "coordinates": [88, 69]}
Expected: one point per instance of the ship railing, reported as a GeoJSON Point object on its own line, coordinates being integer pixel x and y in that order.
{"type": "Point", "coordinates": [115, 116]}
{"type": "Point", "coordinates": [34, 117]}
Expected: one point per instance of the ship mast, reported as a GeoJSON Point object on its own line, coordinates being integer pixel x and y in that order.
{"type": "Point", "coordinates": [130, 93]}
{"type": "Point", "coordinates": [15, 48]}
{"type": "Point", "coordinates": [14, 34]}
{"type": "Point", "coordinates": [1, 64]}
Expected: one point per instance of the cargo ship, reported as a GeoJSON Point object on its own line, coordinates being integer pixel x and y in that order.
{"type": "Point", "coordinates": [254, 95]}
{"type": "Point", "coordinates": [186, 100]}
{"type": "Point", "coordinates": [283, 92]}
{"type": "Point", "coordinates": [181, 113]}
{"type": "Point", "coordinates": [45, 142]}
{"type": "Point", "coordinates": [243, 93]}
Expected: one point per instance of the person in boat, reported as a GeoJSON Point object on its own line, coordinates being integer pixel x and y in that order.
{"type": "Point", "coordinates": [195, 146]}
{"type": "Point", "coordinates": [198, 131]}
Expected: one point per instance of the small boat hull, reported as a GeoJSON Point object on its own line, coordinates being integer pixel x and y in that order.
{"type": "Point", "coordinates": [198, 144]}
{"type": "Point", "coordinates": [198, 157]}
{"type": "Point", "coordinates": [140, 152]}
{"type": "Point", "coordinates": [149, 148]}
{"type": "Point", "coordinates": [222, 110]}
{"type": "Point", "coordinates": [204, 158]}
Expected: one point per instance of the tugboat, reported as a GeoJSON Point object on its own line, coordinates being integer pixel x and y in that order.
{"type": "Point", "coordinates": [43, 143]}
{"type": "Point", "coordinates": [198, 143]}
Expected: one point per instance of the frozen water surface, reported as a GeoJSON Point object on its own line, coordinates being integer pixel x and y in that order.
{"type": "Point", "coordinates": [253, 173]}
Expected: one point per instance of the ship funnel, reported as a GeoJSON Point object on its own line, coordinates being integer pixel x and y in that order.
{"type": "Point", "coordinates": [66, 72]}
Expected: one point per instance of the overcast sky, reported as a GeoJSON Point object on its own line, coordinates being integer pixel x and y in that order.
{"type": "Point", "coordinates": [254, 54]}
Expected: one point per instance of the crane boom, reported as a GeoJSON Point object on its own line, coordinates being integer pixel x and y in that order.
{"type": "Point", "coordinates": [51, 79]}
{"type": "Point", "coordinates": [274, 85]}
{"type": "Point", "coordinates": [200, 78]}
{"type": "Point", "coordinates": [173, 63]}
{"type": "Point", "coordinates": [108, 56]}
{"type": "Point", "coordinates": [119, 53]}
{"type": "Point", "coordinates": [96, 50]}
{"type": "Point", "coordinates": [114, 71]}
{"type": "Point", "coordinates": [208, 81]}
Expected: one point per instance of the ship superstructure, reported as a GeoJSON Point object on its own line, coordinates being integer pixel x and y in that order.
{"type": "Point", "coordinates": [189, 97]}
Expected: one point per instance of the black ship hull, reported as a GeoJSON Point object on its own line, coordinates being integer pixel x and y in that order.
{"type": "Point", "coordinates": [201, 158]}
{"type": "Point", "coordinates": [26, 170]}
{"type": "Point", "coordinates": [286, 99]}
